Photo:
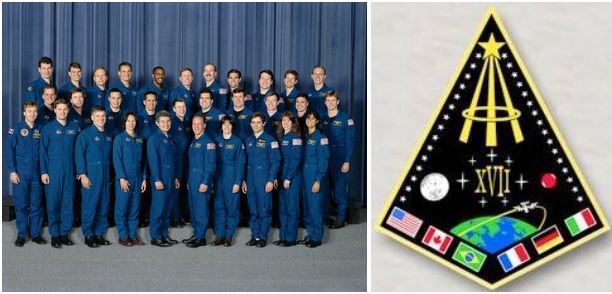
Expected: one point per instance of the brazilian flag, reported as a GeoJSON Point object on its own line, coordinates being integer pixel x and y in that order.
{"type": "Point", "coordinates": [469, 257]}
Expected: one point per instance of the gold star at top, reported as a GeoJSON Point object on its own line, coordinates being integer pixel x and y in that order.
{"type": "Point", "coordinates": [491, 47]}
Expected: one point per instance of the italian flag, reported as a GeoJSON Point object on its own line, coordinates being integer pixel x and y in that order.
{"type": "Point", "coordinates": [579, 222]}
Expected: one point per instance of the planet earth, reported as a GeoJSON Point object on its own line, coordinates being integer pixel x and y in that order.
{"type": "Point", "coordinates": [494, 235]}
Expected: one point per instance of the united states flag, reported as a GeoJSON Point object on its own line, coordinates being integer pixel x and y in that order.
{"type": "Point", "coordinates": [404, 222]}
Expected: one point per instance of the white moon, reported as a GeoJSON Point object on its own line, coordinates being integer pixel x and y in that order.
{"type": "Point", "coordinates": [434, 186]}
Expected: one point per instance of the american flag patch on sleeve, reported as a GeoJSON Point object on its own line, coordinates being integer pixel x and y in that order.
{"type": "Point", "coordinates": [297, 142]}
{"type": "Point", "coordinates": [223, 91]}
{"type": "Point", "coordinates": [248, 97]}
{"type": "Point", "coordinates": [324, 141]}
{"type": "Point", "coordinates": [350, 122]}
{"type": "Point", "coordinates": [274, 144]}
{"type": "Point", "coordinates": [210, 146]}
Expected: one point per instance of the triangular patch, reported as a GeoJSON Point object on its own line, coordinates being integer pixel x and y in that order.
{"type": "Point", "coordinates": [492, 191]}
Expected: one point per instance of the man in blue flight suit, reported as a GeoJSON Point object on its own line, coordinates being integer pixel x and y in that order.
{"type": "Point", "coordinates": [263, 163]}
{"type": "Point", "coordinates": [146, 117]}
{"type": "Point", "coordinates": [180, 132]}
{"type": "Point", "coordinates": [78, 114]}
{"type": "Point", "coordinates": [57, 172]}
{"type": "Point", "coordinates": [320, 89]}
{"type": "Point", "coordinates": [160, 155]}
{"type": "Point", "coordinates": [156, 85]}
{"type": "Point", "coordinates": [97, 94]}
{"type": "Point", "coordinates": [290, 93]}
{"type": "Point", "coordinates": [202, 165]}
{"type": "Point", "coordinates": [129, 91]}
{"type": "Point", "coordinates": [22, 154]}
{"type": "Point", "coordinates": [240, 114]}
{"type": "Point", "coordinates": [114, 114]}
{"type": "Point", "coordinates": [211, 114]}
{"type": "Point", "coordinates": [209, 73]}
{"type": "Point", "coordinates": [34, 89]}
{"type": "Point", "coordinates": [340, 129]}
{"type": "Point", "coordinates": [184, 91]}
{"type": "Point", "coordinates": [45, 112]}
{"type": "Point", "coordinates": [74, 74]}
{"type": "Point", "coordinates": [234, 78]}
{"type": "Point", "coordinates": [93, 157]}
{"type": "Point", "coordinates": [272, 115]}
{"type": "Point", "coordinates": [257, 103]}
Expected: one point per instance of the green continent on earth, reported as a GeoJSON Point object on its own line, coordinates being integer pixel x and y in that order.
{"type": "Point", "coordinates": [492, 235]}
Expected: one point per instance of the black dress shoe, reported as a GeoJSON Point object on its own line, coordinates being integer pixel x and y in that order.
{"type": "Point", "coordinates": [20, 241]}
{"type": "Point", "coordinates": [91, 242]}
{"type": "Point", "coordinates": [39, 240]}
{"type": "Point", "coordinates": [187, 240]}
{"type": "Point", "coordinates": [65, 241]}
{"type": "Point", "coordinates": [195, 243]}
{"type": "Point", "coordinates": [313, 244]}
{"type": "Point", "coordinates": [170, 240]}
{"type": "Point", "coordinates": [261, 243]}
{"type": "Point", "coordinates": [278, 242]}
{"type": "Point", "coordinates": [55, 242]}
{"type": "Point", "coordinates": [252, 242]}
{"type": "Point", "coordinates": [336, 225]}
{"type": "Point", "coordinates": [181, 223]}
{"type": "Point", "coordinates": [218, 241]}
{"type": "Point", "coordinates": [228, 242]}
{"type": "Point", "coordinates": [328, 221]}
{"type": "Point", "coordinates": [288, 244]}
{"type": "Point", "coordinates": [173, 223]}
{"type": "Point", "coordinates": [101, 241]}
{"type": "Point", "coordinates": [160, 243]}
{"type": "Point", "coordinates": [303, 241]}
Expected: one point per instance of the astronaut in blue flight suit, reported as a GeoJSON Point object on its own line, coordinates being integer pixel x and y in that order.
{"type": "Point", "coordinates": [291, 91]}
{"type": "Point", "coordinates": [263, 162]}
{"type": "Point", "coordinates": [340, 129]}
{"type": "Point", "coordinates": [114, 114]}
{"type": "Point", "coordinates": [211, 114]}
{"type": "Point", "coordinates": [129, 91]}
{"type": "Point", "coordinates": [22, 157]}
{"type": "Point", "coordinates": [320, 89]}
{"type": "Point", "coordinates": [160, 155]}
{"type": "Point", "coordinates": [156, 85]}
{"type": "Point", "coordinates": [146, 118]}
{"type": "Point", "coordinates": [58, 173]}
{"type": "Point", "coordinates": [314, 169]}
{"type": "Point", "coordinates": [74, 74]}
{"type": "Point", "coordinates": [202, 165]}
{"type": "Point", "coordinates": [231, 159]}
{"type": "Point", "coordinates": [184, 91]}
{"type": "Point", "coordinates": [209, 73]}
{"type": "Point", "coordinates": [78, 114]}
{"type": "Point", "coordinates": [180, 132]}
{"type": "Point", "coordinates": [290, 179]}
{"type": "Point", "coordinates": [130, 180]}
{"type": "Point", "coordinates": [97, 94]}
{"type": "Point", "coordinates": [271, 114]}
{"type": "Point", "coordinates": [92, 154]}
{"type": "Point", "coordinates": [34, 89]}
{"type": "Point", "coordinates": [234, 78]}
{"type": "Point", "coordinates": [257, 103]}
{"type": "Point", "coordinates": [45, 112]}
{"type": "Point", "coordinates": [241, 115]}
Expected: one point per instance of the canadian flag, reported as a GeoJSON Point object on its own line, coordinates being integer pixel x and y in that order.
{"type": "Point", "coordinates": [437, 239]}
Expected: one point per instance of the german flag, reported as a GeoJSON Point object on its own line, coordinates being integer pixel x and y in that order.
{"type": "Point", "coordinates": [547, 239]}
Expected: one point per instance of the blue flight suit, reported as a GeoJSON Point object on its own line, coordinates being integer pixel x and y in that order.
{"type": "Point", "coordinates": [272, 122]}
{"type": "Point", "coordinates": [316, 99]}
{"type": "Point", "coordinates": [64, 91]}
{"type": "Point", "coordinates": [146, 124]}
{"type": "Point", "coordinates": [180, 132]}
{"type": "Point", "coordinates": [190, 97]}
{"type": "Point", "coordinates": [34, 91]}
{"type": "Point", "coordinates": [45, 116]}
{"type": "Point", "coordinates": [262, 166]}
{"type": "Point", "coordinates": [289, 99]}
{"type": "Point", "coordinates": [289, 208]}
{"type": "Point", "coordinates": [212, 116]}
{"type": "Point", "coordinates": [340, 130]}
{"type": "Point", "coordinates": [130, 164]}
{"type": "Point", "coordinates": [163, 97]}
{"type": "Point", "coordinates": [114, 121]}
{"type": "Point", "coordinates": [22, 157]}
{"type": "Point", "coordinates": [57, 160]}
{"type": "Point", "coordinates": [92, 153]}
{"type": "Point", "coordinates": [218, 94]}
{"type": "Point", "coordinates": [258, 102]}
{"type": "Point", "coordinates": [231, 159]}
{"type": "Point", "coordinates": [160, 154]}
{"type": "Point", "coordinates": [83, 119]}
{"type": "Point", "coordinates": [243, 122]}
{"type": "Point", "coordinates": [201, 171]}
{"type": "Point", "coordinates": [314, 168]}
{"type": "Point", "coordinates": [96, 97]}
{"type": "Point", "coordinates": [129, 96]}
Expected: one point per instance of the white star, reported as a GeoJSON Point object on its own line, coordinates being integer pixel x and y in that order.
{"type": "Point", "coordinates": [549, 141]}
{"type": "Point", "coordinates": [482, 202]}
{"type": "Point", "coordinates": [529, 103]}
{"type": "Point", "coordinates": [505, 201]}
{"type": "Point", "coordinates": [579, 199]}
{"type": "Point", "coordinates": [467, 76]}
{"type": "Point", "coordinates": [419, 168]}
{"type": "Point", "coordinates": [472, 161]}
{"type": "Point", "coordinates": [413, 178]}
{"type": "Point", "coordinates": [478, 55]}
{"type": "Point", "coordinates": [461, 86]}
{"type": "Point", "coordinates": [509, 65]}
{"type": "Point", "coordinates": [456, 96]}
{"type": "Point", "coordinates": [451, 107]}
{"type": "Point", "coordinates": [514, 74]}
{"type": "Point", "coordinates": [434, 137]}
{"type": "Point", "coordinates": [408, 189]}
{"type": "Point", "coordinates": [492, 155]}
{"type": "Point", "coordinates": [403, 199]}
{"type": "Point", "coordinates": [555, 151]}
{"type": "Point", "coordinates": [570, 180]}
{"type": "Point", "coordinates": [519, 84]}
{"type": "Point", "coordinates": [524, 93]}
{"type": "Point", "coordinates": [440, 127]}
{"type": "Point", "coordinates": [559, 160]}
{"type": "Point", "coordinates": [539, 122]}
{"type": "Point", "coordinates": [462, 181]}
{"type": "Point", "coordinates": [429, 147]}
{"type": "Point", "coordinates": [473, 65]}
{"type": "Point", "coordinates": [565, 170]}
{"type": "Point", "coordinates": [508, 161]}
{"type": "Point", "coordinates": [424, 158]}
{"type": "Point", "coordinates": [446, 117]}
{"type": "Point", "coordinates": [521, 182]}
{"type": "Point", "coordinates": [575, 189]}
{"type": "Point", "coordinates": [544, 132]}
{"type": "Point", "coordinates": [534, 113]}
{"type": "Point", "coordinates": [504, 55]}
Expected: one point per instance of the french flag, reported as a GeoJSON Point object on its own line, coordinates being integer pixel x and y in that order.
{"type": "Point", "coordinates": [513, 257]}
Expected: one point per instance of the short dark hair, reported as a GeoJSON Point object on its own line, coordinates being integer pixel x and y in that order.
{"type": "Point", "coordinates": [49, 87]}
{"type": "Point", "coordinates": [321, 67]}
{"type": "Point", "coordinates": [124, 63]}
{"type": "Point", "coordinates": [291, 71]}
{"type": "Point", "coordinates": [59, 101]}
{"type": "Point", "coordinates": [74, 65]}
{"type": "Point", "coordinates": [27, 104]}
{"type": "Point", "coordinates": [209, 91]}
{"type": "Point", "coordinates": [125, 118]}
{"type": "Point", "coordinates": [185, 69]}
{"type": "Point", "coordinates": [238, 90]}
{"type": "Point", "coordinates": [231, 121]}
{"type": "Point", "coordinates": [158, 67]}
{"type": "Point", "coordinates": [200, 116]}
{"type": "Point", "coordinates": [97, 108]}
{"type": "Point", "coordinates": [302, 95]}
{"type": "Point", "coordinates": [272, 93]}
{"type": "Point", "coordinates": [267, 71]}
{"type": "Point", "coordinates": [177, 100]}
{"type": "Point", "coordinates": [260, 115]}
{"type": "Point", "coordinates": [77, 90]}
{"type": "Point", "coordinates": [144, 97]}
{"type": "Point", "coordinates": [333, 93]}
{"type": "Point", "coordinates": [214, 66]}
{"type": "Point", "coordinates": [310, 112]}
{"type": "Point", "coordinates": [233, 70]}
{"type": "Point", "coordinates": [45, 60]}
{"type": "Point", "coordinates": [162, 113]}
{"type": "Point", "coordinates": [114, 90]}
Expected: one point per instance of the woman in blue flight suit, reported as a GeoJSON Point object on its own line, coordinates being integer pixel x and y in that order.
{"type": "Point", "coordinates": [130, 174]}
{"type": "Point", "coordinates": [314, 169]}
{"type": "Point", "coordinates": [290, 179]}
{"type": "Point", "coordinates": [231, 160]}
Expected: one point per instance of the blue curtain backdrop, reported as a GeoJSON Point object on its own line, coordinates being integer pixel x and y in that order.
{"type": "Point", "coordinates": [247, 36]}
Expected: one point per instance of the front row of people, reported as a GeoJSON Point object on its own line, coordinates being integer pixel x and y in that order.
{"type": "Point", "coordinates": [294, 166]}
